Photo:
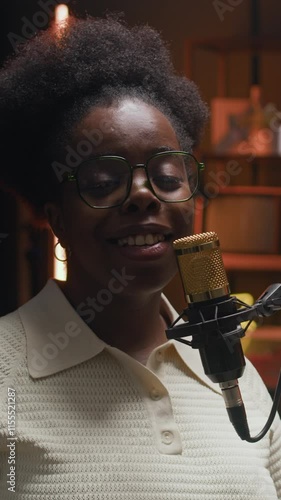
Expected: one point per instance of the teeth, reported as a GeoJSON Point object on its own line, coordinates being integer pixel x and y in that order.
{"type": "Point", "coordinates": [141, 240]}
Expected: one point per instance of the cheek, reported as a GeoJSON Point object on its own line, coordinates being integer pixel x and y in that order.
{"type": "Point", "coordinates": [184, 218]}
{"type": "Point", "coordinates": [81, 222]}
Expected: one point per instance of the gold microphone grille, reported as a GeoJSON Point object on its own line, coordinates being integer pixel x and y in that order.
{"type": "Point", "coordinates": [201, 267]}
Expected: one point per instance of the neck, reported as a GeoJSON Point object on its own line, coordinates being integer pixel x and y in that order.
{"type": "Point", "coordinates": [132, 323]}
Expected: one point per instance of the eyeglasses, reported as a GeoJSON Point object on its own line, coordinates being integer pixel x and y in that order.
{"type": "Point", "coordinates": [105, 181]}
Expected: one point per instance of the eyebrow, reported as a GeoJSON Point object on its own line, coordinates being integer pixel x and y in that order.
{"type": "Point", "coordinates": [150, 152]}
{"type": "Point", "coordinates": [161, 149]}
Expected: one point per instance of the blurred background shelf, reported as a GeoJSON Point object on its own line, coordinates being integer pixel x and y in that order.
{"type": "Point", "coordinates": [252, 262]}
{"type": "Point", "coordinates": [241, 188]}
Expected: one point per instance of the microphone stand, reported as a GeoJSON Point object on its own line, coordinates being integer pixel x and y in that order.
{"type": "Point", "coordinates": [217, 336]}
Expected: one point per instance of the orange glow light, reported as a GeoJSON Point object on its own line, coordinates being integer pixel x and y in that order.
{"type": "Point", "coordinates": [59, 267]}
{"type": "Point", "coordinates": [61, 13]}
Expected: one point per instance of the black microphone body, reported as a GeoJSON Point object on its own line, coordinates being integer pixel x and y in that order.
{"type": "Point", "coordinates": [219, 345]}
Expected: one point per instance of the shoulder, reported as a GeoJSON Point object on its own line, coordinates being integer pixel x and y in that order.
{"type": "Point", "coordinates": [253, 384]}
{"type": "Point", "coordinates": [11, 328]}
{"type": "Point", "coordinates": [256, 396]}
{"type": "Point", "coordinates": [12, 344]}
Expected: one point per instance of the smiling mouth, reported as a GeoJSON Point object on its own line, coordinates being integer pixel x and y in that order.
{"type": "Point", "coordinates": [141, 240]}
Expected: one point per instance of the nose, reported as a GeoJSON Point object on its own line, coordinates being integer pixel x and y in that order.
{"type": "Point", "coordinates": [141, 198]}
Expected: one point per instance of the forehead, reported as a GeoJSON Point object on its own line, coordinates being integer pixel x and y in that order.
{"type": "Point", "coordinates": [127, 123]}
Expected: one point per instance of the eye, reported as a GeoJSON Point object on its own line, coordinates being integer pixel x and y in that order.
{"type": "Point", "coordinates": [100, 187]}
{"type": "Point", "coordinates": [167, 172]}
{"type": "Point", "coordinates": [167, 182]}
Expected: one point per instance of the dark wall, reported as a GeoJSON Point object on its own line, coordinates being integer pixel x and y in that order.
{"type": "Point", "coordinates": [177, 20]}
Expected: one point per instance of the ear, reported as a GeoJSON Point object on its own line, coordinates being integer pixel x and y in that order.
{"type": "Point", "coordinates": [54, 215]}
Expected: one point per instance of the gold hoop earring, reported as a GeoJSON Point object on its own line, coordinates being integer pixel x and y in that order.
{"type": "Point", "coordinates": [56, 257]}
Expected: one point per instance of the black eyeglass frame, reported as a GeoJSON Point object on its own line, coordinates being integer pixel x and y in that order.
{"type": "Point", "coordinates": [73, 176]}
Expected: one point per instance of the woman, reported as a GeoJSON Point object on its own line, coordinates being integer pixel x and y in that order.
{"type": "Point", "coordinates": [101, 131]}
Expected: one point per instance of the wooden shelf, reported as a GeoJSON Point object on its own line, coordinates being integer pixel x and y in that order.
{"type": "Point", "coordinates": [266, 333]}
{"type": "Point", "coordinates": [266, 341]}
{"type": "Point", "coordinates": [252, 262]}
{"type": "Point", "coordinates": [252, 190]}
{"type": "Point", "coordinates": [259, 177]}
{"type": "Point", "coordinates": [211, 155]}
{"type": "Point", "coordinates": [235, 44]}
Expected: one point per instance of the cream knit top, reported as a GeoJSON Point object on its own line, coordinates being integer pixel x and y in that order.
{"type": "Point", "coordinates": [92, 423]}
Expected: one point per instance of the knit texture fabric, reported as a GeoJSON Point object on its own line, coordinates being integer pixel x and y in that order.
{"type": "Point", "coordinates": [85, 433]}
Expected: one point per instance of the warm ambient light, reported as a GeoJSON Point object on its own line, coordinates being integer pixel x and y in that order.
{"type": "Point", "coordinates": [61, 13]}
{"type": "Point", "coordinates": [59, 267]}
{"type": "Point", "coordinates": [61, 16]}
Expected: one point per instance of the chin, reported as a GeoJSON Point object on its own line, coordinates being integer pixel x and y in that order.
{"type": "Point", "coordinates": [150, 280]}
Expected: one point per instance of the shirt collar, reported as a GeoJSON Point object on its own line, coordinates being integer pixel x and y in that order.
{"type": "Point", "coordinates": [57, 337]}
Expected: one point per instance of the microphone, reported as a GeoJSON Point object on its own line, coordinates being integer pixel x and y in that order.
{"type": "Point", "coordinates": [214, 321]}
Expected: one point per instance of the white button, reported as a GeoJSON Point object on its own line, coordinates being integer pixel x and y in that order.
{"type": "Point", "coordinates": [167, 437]}
{"type": "Point", "coordinates": [159, 356]}
{"type": "Point", "coordinates": [155, 395]}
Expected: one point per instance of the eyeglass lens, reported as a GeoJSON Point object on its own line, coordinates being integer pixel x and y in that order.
{"type": "Point", "coordinates": [104, 182]}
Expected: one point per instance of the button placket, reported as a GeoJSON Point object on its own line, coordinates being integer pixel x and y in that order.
{"type": "Point", "coordinates": [159, 356]}
{"type": "Point", "coordinates": [150, 381]}
{"type": "Point", "coordinates": [155, 394]}
{"type": "Point", "coordinates": [167, 437]}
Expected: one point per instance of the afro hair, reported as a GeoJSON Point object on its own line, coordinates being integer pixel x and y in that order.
{"type": "Point", "coordinates": [48, 86]}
